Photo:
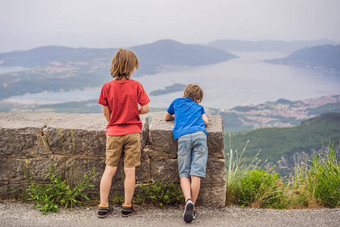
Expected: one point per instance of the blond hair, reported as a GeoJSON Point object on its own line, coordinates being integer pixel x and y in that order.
{"type": "Point", "coordinates": [123, 64]}
{"type": "Point", "coordinates": [194, 92]}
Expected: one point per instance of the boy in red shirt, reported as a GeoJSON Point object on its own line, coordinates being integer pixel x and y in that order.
{"type": "Point", "coordinates": [120, 98]}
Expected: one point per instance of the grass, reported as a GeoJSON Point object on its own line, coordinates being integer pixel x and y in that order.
{"type": "Point", "coordinates": [315, 184]}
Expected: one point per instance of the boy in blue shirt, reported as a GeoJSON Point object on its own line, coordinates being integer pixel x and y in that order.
{"type": "Point", "coordinates": [189, 130]}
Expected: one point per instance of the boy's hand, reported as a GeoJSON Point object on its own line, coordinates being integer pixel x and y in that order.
{"type": "Point", "coordinates": [144, 109]}
{"type": "Point", "coordinates": [205, 119]}
{"type": "Point", "coordinates": [107, 113]}
{"type": "Point", "coordinates": [168, 117]}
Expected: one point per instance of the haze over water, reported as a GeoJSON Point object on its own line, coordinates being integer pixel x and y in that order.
{"type": "Point", "coordinates": [245, 80]}
{"type": "Point", "coordinates": [241, 81]}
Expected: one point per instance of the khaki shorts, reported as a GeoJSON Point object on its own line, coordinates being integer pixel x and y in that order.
{"type": "Point", "coordinates": [127, 145]}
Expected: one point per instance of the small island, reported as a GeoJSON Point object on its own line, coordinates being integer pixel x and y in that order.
{"type": "Point", "coordinates": [168, 89]}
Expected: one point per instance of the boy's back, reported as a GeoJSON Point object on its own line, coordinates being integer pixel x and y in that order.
{"type": "Point", "coordinates": [188, 116]}
{"type": "Point", "coordinates": [122, 97]}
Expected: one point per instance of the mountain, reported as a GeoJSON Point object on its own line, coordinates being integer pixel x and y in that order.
{"type": "Point", "coordinates": [56, 68]}
{"type": "Point", "coordinates": [152, 56]}
{"type": "Point", "coordinates": [43, 56]}
{"type": "Point", "coordinates": [266, 45]}
{"type": "Point", "coordinates": [322, 58]}
{"type": "Point", "coordinates": [164, 53]}
{"type": "Point", "coordinates": [288, 144]}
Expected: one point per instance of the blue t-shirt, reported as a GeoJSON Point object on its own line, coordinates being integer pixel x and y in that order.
{"type": "Point", "coordinates": [188, 116]}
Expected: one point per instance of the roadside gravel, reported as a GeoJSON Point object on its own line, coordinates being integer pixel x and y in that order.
{"type": "Point", "coordinates": [20, 214]}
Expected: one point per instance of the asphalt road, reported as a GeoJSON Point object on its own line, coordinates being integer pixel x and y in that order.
{"type": "Point", "coordinates": [20, 214]}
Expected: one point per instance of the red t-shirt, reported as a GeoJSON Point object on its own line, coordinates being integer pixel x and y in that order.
{"type": "Point", "coordinates": [122, 97]}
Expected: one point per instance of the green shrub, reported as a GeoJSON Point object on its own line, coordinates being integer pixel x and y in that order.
{"type": "Point", "coordinates": [236, 167]}
{"type": "Point", "coordinates": [260, 189]}
{"type": "Point", "coordinates": [57, 192]}
{"type": "Point", "coordinates": [320, 180]}
{"type": "Point", "coordinates": [160, 194]}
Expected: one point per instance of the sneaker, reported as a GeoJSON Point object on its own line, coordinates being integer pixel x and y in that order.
{"type": "Point", "coordinates": [129, 210]}
{"type": "Point", "coordinates": [194, 214]}
{"type": "Point", "coordinates": [188, 211]}
{"type": "Point", "coordinates": [104, 211]}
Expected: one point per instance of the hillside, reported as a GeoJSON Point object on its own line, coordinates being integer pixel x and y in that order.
{"type": "Point", "coordinates": [288, 144]}
{"type": "Point", "coordinates": [324, 58]}
{"type": "Point", "coordinates": [56, 68]}
{"type": "Point", "coordinates": [166, 54]}
{"type": "Point", "coordinates": [282, 113]}
{"type": "Point", "coordinates": [266, 45]}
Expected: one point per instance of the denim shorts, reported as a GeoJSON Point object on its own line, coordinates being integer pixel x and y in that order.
{"type": "Point", "coordinates": [192, 154]}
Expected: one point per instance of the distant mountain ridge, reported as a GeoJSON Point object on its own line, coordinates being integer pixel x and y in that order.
{"type": "Point", "coordinates": [266, 45]}
{"type": "Point", "coordinates": [153, 57]}
{"type": "Point", "coordinates": [57, 68]}
{"type": "Point", "coordinates": [42, 56]}
{"type": "Point", "coordinates": [323, 58]}
{"type": "Point", "coordinates": [164, 53]}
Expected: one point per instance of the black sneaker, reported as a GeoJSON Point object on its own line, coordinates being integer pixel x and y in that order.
{"type": "Point", "coordinates": [104, 211]}
{"type": "Point", "coordinates": [188, 211]}
{"type": "Point", "coordinates": [194, 214]}
{"type": "Point", "coordinates": [129, 210]}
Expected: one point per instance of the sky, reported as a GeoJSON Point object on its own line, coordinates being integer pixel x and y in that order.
{"type": "Point", "coordinates": [26, 24]}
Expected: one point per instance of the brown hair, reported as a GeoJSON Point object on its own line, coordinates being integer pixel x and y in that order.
{"type": "Point", "coordinates": [194, 92]}
{"type": "Point", "coordinates": [123, 64]}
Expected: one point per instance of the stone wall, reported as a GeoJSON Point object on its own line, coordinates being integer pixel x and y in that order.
{"type": "Point", "coordinates": [76, 143]}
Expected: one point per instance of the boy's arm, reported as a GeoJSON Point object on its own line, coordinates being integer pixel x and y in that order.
{"type": "Point", "coordinates": [106, 112]}
{"type": "Point", "coordinates": [168, 117]}
{"type": "Point", "coordinates": [144, 109]}
{"type": "Point", "coordinates": [205, 119]}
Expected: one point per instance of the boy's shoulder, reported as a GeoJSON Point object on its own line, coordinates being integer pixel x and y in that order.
{"type": "Point", "coordinates": [112, 82]}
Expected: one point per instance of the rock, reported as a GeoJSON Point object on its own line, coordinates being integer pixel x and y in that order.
{"type": "Point", "coordinates": [161, 138]}
{"type": "Point", "coordinates": [212, 195]}
{"type": "Point", "coordinates": [216, 172]}
{"type": "Point", "coordinates": [89, 131]}
{"type": "Point", "coordinates": [165, 170]}
{"type": "Point", "coordinates": [20, 133]}
{"type": "Point", "coordinates": [4, 171]}
{"type": "Point", "coordinates": [143, 172]}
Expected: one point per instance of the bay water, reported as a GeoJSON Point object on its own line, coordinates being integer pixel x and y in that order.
{"type": "Point", "coordinates": [241, 81]}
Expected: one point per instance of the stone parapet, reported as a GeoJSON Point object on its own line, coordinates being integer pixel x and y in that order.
{"type": "Point", "coordinates": [76, 143]}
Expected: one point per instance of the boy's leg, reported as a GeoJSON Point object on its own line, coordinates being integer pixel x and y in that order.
{"type": "Point", "coordinates": [199, 162]}
{"type": "Point", "coordinates": [105, 185]}
{"type": "Point", "coordinates": [186, 188]}
{"type": "Point", "coordinates": [129, 184]}
{"type": "Point", "coordinates": [195, 187]}
{"type": "Point", "coordinates": [132, 157]}
{"type": "Point", "coordinates": [184, 161]}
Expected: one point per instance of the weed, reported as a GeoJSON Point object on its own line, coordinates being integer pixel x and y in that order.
{"type": "Point", "coordinates": [160, 194]}
{"type": "Point", "coordinates": [117, 200]}
{"type": "Point", "coordinates": [236, 168]}
{"type": "Point", "coordinates": [319, 182]}
{"type": "Point", "coordinates": [259, 188]}
{"type": "Point", "coordinates": [57, 192]}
